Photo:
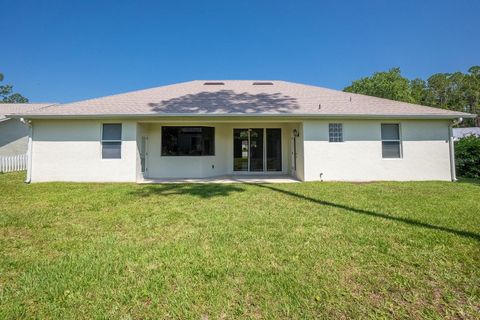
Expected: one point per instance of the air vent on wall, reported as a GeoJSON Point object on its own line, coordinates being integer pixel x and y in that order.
{"type": "Point", "coordinates": [263, 83]}
{"type": "Point", "coordinates": [213, 83]}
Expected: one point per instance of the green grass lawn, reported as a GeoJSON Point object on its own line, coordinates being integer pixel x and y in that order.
{"type": "Point", "coordinates": [337, 250]}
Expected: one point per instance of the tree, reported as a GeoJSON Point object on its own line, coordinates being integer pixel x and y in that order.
{"type": "Point", "coordinates": [454, 91]}
{"type": "Point", "coordinates": [8, 96]}
{"type": "Point", "coordinates": [467, 157]}
{"type": "Point", "coordinates": [390, 85]}
{"type": "Point", "coordinates": [472, 92]}
{"type": "Point", "coordinates": [418, 88]}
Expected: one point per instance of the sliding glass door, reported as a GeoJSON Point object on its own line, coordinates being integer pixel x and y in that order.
{"type": "Point", "coordinates": [257, 149]}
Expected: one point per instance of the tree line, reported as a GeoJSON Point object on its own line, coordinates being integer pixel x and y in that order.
{"type": "Point", "coordinates": [8, 96]}
{"type": "Point", "coordinates": [454, 91]}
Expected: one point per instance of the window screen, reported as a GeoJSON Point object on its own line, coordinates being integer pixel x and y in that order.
{"type": "Point", "coordinates": [188, 141]}
{"type": "Point", "coordinates": [112, 141]}
{"type": "Point", "coordinates": [391, 146]}
{"type": "Point", "coordinates": [335, 132]}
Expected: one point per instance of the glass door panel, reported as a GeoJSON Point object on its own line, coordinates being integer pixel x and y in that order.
{"type": "Point", "coordinates": [274, 149]}
{"type": "Point", "coordinates": [256, 149]}
{"type": "Point", "coordinates": [240, 149]}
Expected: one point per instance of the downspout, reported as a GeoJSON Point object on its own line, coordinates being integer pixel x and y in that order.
{"type": "Point", "coordinates": [451, 145]}
{"type": "Point", "coordinates": [29, 149]}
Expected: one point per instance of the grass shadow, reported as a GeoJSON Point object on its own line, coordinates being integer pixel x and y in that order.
{"type": "Point", "coordinates": [412, 222]}
{"type": "Point", "coordinates": [204, 191]}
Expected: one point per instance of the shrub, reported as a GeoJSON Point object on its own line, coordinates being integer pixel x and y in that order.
{"type": "Point", "coordinates": [467, 157]}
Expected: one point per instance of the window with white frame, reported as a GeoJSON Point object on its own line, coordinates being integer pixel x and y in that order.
{"type": "Point", "coordinates": [335, 132]}
{"type": "Point", "coordinates": [112, 141]}
{"type": "Point", "coordinates": [391, 144]}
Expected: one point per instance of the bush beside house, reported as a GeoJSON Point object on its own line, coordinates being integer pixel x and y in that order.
{"type": "Point", "coordinates": [467, 154]}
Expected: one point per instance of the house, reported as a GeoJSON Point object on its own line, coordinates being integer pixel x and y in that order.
{"type": "Point", "coordinates": [201, 129]}
{"type": "Point", "coordinates": [13, 132]}
{"type": "Point", "coordinates": [459, 133]}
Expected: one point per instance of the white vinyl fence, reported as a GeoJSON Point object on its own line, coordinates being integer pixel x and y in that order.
{"type": "Point", "coordinates": [13, 163]}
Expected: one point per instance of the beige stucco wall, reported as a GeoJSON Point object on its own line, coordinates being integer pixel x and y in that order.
{"type": "Point", "coordinates": [70, 150]}
{"type": "Point", "coordinates": [13, 137]}
{"type": "Point", "coordinates": [359, 158]}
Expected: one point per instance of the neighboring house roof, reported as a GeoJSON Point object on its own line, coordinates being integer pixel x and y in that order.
{"type": "Point", "coordinates": [20, 108]}
{"type": "Point", "coordinates": [240, 97]}
{"type": "Point", "coordinates": [463, 132]}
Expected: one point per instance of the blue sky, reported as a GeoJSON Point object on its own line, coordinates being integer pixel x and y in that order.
{"type": "Point", "coordinates": [64, 51]}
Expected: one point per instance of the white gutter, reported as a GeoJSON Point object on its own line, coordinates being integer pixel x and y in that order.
{"type": "Point", "coordinates": [451, 146]}
{"type": "Point", "coordinates": [235, 115]}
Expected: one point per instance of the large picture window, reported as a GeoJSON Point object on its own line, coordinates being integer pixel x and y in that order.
{"type": "Point", "coordinates": [188, 141]}
{"type": "Point", "coordinates": [112, 141]}
{"type": "Point", "coordinates": [391, 146]}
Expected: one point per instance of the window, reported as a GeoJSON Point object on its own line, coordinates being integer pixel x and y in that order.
{"type": "Point", "coordinates": [335, 132]}
{"type": "Point", "coordinates": [112, 141]}
{"type": "Point", "coordinates": [188, 141]}
{"type": "Point", "coordinates": [391, 146]}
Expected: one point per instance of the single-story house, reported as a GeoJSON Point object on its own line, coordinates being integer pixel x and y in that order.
{"type": "Point", "coordinates": [459, 133]}
{"type": "Point", "coordinates": [14, 132]}
{"type": "Point", "coordinates": [201, 129]}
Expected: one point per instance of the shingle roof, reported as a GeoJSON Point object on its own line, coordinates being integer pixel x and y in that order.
{"type": "Point", "coordinates": [10, 108]}
{"type": "Point", "coordinates": [241, 97]}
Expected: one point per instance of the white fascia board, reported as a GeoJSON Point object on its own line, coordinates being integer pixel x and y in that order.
{"type": "Point", "coordinates": [236, 115]}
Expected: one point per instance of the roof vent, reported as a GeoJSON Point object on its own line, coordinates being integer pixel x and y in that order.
{"type": "Point", "coordinates": [213, 83]}
{"type": "Point", "coordinates": [263, 83]}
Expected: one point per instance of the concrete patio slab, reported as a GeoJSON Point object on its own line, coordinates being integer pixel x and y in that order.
{"type": "Point", "coordinates": [228, 179]}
